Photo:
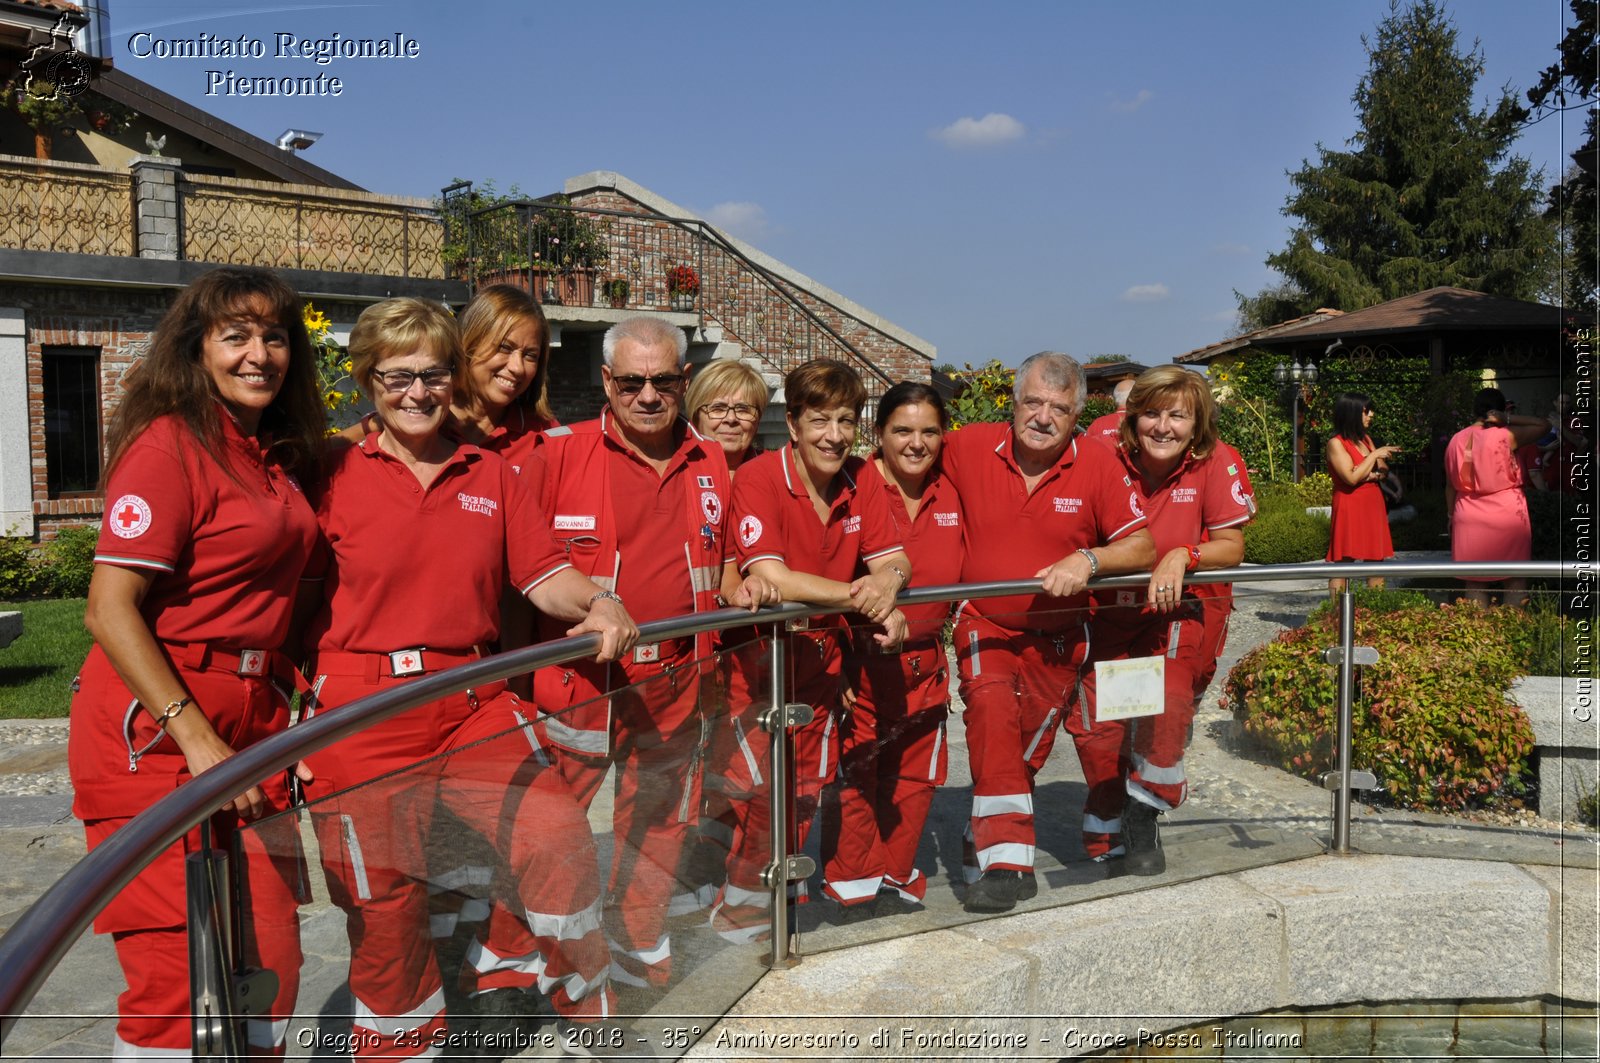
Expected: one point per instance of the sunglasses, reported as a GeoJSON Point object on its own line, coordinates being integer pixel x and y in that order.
{"type": "Point", "coordinates": [632, 385]}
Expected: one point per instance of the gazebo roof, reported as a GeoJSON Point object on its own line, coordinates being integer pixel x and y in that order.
{"type": "Point", "coordinates": [1203, 355]}
{"type": "Point", "coordinates": [1441, 309]}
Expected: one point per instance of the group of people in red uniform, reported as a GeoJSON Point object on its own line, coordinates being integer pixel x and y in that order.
{"type": "Point", "coordinates": [459, 517]}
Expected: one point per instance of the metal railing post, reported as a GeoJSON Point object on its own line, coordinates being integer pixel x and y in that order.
{"type": "Point", "coordinates": [214, 1017]}
{"type": "Point", "coordinates": [777, 872]}
{"type": "Point", "coordinates": [1346, 733]}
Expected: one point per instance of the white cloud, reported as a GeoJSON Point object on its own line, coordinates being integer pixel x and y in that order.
{"type": "Point", "coordinates": [745, 220]}
{"type": "Point", "coordinates": [1145, 293]}
{"type": "Point", "coordinates": [1129, 106]}
{"type": "Point", "coordinates": [985, 132]}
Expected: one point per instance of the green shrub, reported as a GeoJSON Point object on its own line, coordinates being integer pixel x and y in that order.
{"type": "Point", "coordinates": [1543, 639]}
{"type": "Point", "coordinates": [69, 561]}
{"type": "Point", "coordinates": [21, 574]}
{"type": "Point", "coordinates": [1589, 809]}
{"type": "Point", "coordinates": [1433, 722]}
{"type": "Point", "coordinates": [1285, 535]}
{"type": "Point", "coordinates": [1376, 600]}
{"type": "Point", "coordinates": [1096, 406]}
{"type": "Point", "coordinates": [1316, 490]}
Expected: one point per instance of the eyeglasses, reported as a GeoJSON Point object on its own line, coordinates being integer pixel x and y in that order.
{"type": "Point", "coordinates": [632, 385]}
{"type": "Point", "coordinates": [741, 410]}
{"type": "Point", "coordinates": [396, 381]}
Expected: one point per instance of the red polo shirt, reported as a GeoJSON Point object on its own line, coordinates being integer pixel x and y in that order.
{"type": "Point", "coordinates": [409, 566]}
{"type": "Point", "coordinates": [773, 519]}
{"type": "Point", "coordinates": [932, 540]}
{"type": "Point", "coordinates": [1199, 497]}
{"type": "Point", "coordinates": [648, 509]}
{"type": "Point", "coordinates": [229, 549]}
{"type": "Point", "coordinates": [1085, 500]}
{"type": "Point", "coordinates": [517, 436]}
{"type": "Point", "coordinates": [1107, 427]}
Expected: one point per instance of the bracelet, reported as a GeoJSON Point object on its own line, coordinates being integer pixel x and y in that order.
{"type": "Point", "coordinates": [1094, 562]}
{"type": "Point", "coordinates": [1194, 558]}
{"type": "Point", "coordinates": [904, 579]}
{"type": "Point", "coordinates": [171, 712]}
{"type": "Point", "coordinates": [609, 595]}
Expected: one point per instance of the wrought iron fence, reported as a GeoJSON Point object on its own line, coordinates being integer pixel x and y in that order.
{"type": "Point", "coordinates": [302, 227]}
{"type": "Point", "coordinates": [65, 207]}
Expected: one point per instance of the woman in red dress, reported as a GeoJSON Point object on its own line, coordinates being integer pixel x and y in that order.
{"type": "Point", "coordinates": [1360, 519]}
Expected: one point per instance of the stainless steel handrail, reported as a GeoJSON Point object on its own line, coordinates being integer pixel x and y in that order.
{"type": "Point", "coordinates": [38, 940]}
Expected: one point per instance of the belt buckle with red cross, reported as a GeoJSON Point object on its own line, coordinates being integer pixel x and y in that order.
{"type": "Point", "coordinates": [253, 662]}
{"type": "Point", "coordinates": [646, 652]}
{"type": "Point", "coordinates": [406, 662]}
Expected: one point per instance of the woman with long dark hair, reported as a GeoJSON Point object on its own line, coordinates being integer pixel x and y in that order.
{"type": "Point", "coordinates": [202, 545]}
{"type": "Point", "coordinates": [1360, 519]}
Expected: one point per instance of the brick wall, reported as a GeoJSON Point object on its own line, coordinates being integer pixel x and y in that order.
{"type": "Point", "coordinates": [118, 322]}
{"type": "Point", "coordinates": [730, 290]}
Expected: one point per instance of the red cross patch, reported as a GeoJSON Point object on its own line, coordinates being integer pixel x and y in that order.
{"type": "Point", "coordinates": [128, 517]}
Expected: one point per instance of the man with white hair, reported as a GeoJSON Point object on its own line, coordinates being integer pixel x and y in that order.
{"type": "Point", "coordinates": [1040, 505]}
{"type": "Point", "coordinates": [1106, 426]}
{"type": "Point", "coordinates": [639, 501]}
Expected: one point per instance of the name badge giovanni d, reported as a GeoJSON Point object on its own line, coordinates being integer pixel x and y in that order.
{"type": "Point", "coordinates": [1130, 688]}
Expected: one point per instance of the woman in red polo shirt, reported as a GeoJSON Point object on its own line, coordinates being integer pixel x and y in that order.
{"type": "Point", "coordinates": [205, 531]}
{"type": "Point", "coordinates": [422, 531]}
{"type": "Point", "coordinates": [892, 750]}
{"type": "Point", "coordinates": [1196, 503]}
{"type": "Point", "coordinates": [802, 523]}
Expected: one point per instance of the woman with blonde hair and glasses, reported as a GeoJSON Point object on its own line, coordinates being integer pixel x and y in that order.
{"type": "Point", "coordinates": [422, 531]}
{"type": "Point", "coordinates": [725, 401]}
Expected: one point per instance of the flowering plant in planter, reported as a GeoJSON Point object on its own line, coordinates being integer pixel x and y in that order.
{"type": "Point", "coordinates": [683, 280]}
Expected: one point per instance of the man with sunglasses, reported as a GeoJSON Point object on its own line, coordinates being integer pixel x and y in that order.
{"type": "Point", "coordinates": [638, 500]}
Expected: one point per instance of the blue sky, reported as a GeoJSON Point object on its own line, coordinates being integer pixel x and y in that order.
{"type": "Point", "coordinates": [1088, 177]}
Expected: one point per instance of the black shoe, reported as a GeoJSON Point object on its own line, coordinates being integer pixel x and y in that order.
{"type": "Point", "coordinates": [998, 891]}
{"type": "Point", "coordinates": [1030, 887]}
{"type": "Point", "coordinates": [1142, 839]}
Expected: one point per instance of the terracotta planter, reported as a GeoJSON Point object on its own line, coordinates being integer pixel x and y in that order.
{"type": "Point", "coordinates": [573, 288]}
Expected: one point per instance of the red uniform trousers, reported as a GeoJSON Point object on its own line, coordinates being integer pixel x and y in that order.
{"type": "Point", "coordinates": [655, 736]}
{"type": "Point", "coordinates": [1140, 757]}
{"type": "Point", "coordinates": [892, 756]}
{"type": "Point", "coordinates": [743, 751]}
{"type": "Point", "coordinates": [149, 916]}
{"type": "Point", "coordinates": [1017, 686]}
{"type": "Point", "coordinates": [374, 840]}
{"type": "Point", "coordinates": [1217, 608]}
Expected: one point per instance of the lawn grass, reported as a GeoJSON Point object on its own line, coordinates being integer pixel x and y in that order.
{"type": "Point", "coordinates": [36, 670]}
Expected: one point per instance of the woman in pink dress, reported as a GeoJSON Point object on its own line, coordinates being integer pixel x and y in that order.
{"type": "Point", "coordinates": [1488, 510]}
{"type": "Point", "coordinates": [1360, 519]}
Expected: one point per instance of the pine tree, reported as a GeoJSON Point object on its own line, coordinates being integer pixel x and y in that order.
{"type": "Point", "coordinates": [1427, 194]}
{"type": "Point", "coordinates": [1573, 202]}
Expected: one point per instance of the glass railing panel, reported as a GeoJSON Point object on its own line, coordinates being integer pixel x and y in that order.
{"type": "Point", "coordinates": [1228, 822]}
{"type": "Point", "coordinates": [1477, 722]}
{"type": "Point", "coordinates": [539, 880]}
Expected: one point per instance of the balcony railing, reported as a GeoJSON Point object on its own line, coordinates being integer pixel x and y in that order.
{"type": "Point", "coordinates": [74, 208]}
{"type": "Point", "coordinates": [302, 227]}
{"type": "Point", "coordinates": [39, 940]}
{"type": "Point", "coordinates": [65, 206]}
{"type": "Point", "coordinates": [591, 257]}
